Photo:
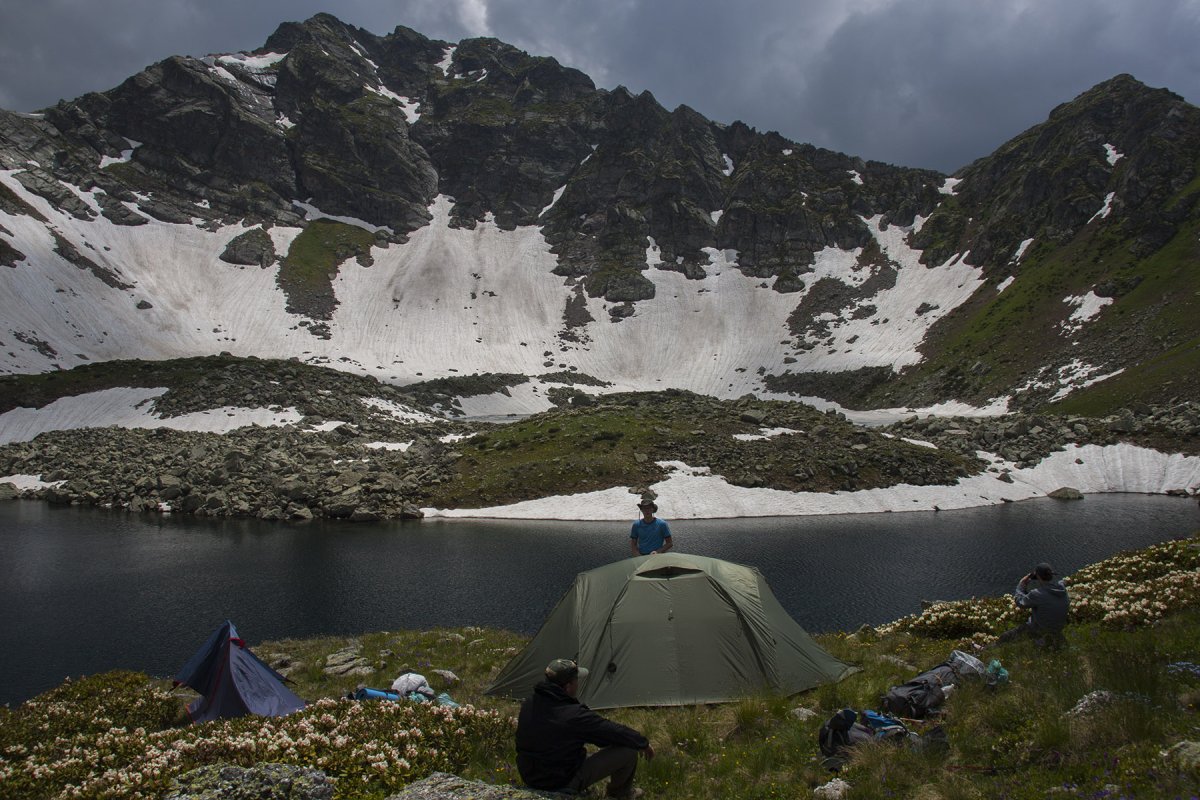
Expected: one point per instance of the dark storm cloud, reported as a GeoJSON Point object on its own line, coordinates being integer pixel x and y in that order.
{"type": "Point", "coordinates": [932, 83]}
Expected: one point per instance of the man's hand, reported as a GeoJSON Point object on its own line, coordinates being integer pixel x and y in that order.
{"type": "Point", "coordinates": [647, 752]}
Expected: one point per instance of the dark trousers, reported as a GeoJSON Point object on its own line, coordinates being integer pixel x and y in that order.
{"type": "Point", "coordinates": [618, 762]}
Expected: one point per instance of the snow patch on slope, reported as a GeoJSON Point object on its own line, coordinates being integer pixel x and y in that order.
{"type": "Point", "coordinates": [694, 493]}
{"type": "Point", "coordinates": [1105, 210]}
{"type": "Point", "coordinates": [1087, 308]}
{"type": "Point", "coordinates": [1020, 252]}
{"type": "Point", "coordinates": [865, 340]}
{"type": "Point", "coordinates": [447, 60]}
{"type": "Point", "coordinates": [126, 155]}
{"type": "Point", "coordinates": [950, 186]}
{"type": "Point", "coordinates": [410, 108]}
{"type": "Point", "coordinates": [129, 408]}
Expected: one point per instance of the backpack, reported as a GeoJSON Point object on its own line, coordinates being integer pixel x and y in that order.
{"type": "Point", "coordinates": [841, 732]}
{"type": "Point", "coordinates": [845, 729]}
{"type": "Point", "coordinates": [916, 698]}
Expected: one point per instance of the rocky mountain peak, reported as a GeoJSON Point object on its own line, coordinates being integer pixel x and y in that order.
{"type": "Point", "coordinates": [385, 133]}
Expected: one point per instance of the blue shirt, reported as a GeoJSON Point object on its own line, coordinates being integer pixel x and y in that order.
{"type": "Point", "coordinates": [650, 536]}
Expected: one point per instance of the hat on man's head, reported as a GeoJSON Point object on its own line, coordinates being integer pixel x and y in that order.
{"type": "Point", "coordinates": [1044, 571]}
{"type": "Point", "coordinates": [647, 503]}
{"type": "Point", "coordinates": [562, 670]}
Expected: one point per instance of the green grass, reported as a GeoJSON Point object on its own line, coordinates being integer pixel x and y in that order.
{"type": "Point", "coordinates": [1151, 330]}
{"type": "Point", "coordinates": [307, 272]}
{"type": "Point", "coordinates": [619, 441]}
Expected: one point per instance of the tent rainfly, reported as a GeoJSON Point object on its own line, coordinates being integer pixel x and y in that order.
{"type": "Point", "coordinates": [233, 681]}
{"type": "Point", "coordinates": [672, 629]}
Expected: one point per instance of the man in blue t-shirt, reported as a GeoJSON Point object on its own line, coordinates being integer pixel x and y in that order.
{"type": "Point", "coordinates": [649, 534]}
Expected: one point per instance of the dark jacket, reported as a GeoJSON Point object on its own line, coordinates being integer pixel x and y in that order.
{"type": "Point", "coordinates": [552, 729]}
{"type": "Point", "coordinates": [1049, 602]}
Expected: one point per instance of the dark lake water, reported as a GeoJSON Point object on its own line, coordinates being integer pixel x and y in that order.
{"type": "Point", "coordinates": [84, 590]}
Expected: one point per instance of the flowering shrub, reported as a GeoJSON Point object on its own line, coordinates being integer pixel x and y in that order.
{"type": "Point", "coordinates": [1133, 588]}
{"type": "Point", "coordinates": [371, 748]}
{"type": "Point", "coordinates": [960, 619]}
{"type": "Point", "coordinates": [1140, 587]}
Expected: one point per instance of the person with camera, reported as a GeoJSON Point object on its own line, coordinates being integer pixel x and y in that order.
{"type": "Point", "coordinates": [1048, 603]}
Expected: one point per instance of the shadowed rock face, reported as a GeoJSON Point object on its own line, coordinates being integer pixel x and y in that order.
{"type": "Point", "coordinates": [371, 127]}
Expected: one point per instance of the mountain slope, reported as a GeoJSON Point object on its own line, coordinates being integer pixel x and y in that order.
{"type": "Point", "coordinates": [415, 209]}
{"type": "Point", "coordinates": [1088, 231]}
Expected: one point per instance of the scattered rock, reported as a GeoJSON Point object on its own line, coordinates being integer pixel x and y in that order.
{"type": "Point", "coordinates": [897, 660]}
{"type": "Point", "coordinates": [9, 491]}
{"type": "Point", "coordinates": [448, 677]}
{"type": "Point", "coordinates": [802, 714]}
{"type": "Point", "coordinates": [1066, 493]}
{"type": "Point", "coordinates": [441, 786]}
{"type": "Point", "coordinates": [260, 782]}
{"type": "Point", "coordinates": [1184, 756]}
{"type": "Point", "coordinates": [834, 790]}
{"type": "Point", "coordinates": [347, 661]}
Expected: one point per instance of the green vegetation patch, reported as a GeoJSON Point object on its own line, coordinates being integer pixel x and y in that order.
{"type": "Point", "coordinates": [307, 272]}
{"type": "Point", "coordinates": [617, 442]}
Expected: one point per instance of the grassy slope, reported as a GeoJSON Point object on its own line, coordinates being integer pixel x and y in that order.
{"type": "Point", "coordinates": [1152, 331]}
{"type": "Point", "coordinates": [1019, 741]}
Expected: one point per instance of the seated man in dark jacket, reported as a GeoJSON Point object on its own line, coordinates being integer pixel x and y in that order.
{"type": "Point", "coordinates": [553, 728]}
{"type": "Point", "coordinates": [1049, 604]}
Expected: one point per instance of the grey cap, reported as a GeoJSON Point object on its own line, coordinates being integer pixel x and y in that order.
{"type": "Point", "coordinates": [562, 670]}
{"type": "Point", "coordinates": [1044, 571]}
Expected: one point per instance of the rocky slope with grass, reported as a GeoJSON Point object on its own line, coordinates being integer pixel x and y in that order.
{"type": "Point", "coordinates": [1113, 714]}
{"type": "Point", "coordinates": [340, 446]}
{"type": "Point", "coordinates": [421, 210]}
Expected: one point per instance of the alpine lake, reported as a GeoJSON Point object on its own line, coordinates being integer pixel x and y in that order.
{"type": "Point", "coordinates": [84, 590]}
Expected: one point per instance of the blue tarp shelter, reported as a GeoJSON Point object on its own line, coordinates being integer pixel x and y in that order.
{"type": "Point", "coordinates": [233, 681]}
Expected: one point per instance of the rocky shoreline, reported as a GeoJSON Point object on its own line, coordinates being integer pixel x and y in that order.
{"type": "Point", "coordinates": [370, 466]}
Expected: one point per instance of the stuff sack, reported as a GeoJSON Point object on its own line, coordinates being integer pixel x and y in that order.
{"type": "Point", "coordinates": [363, 693]}
{"type": "Point", "coordinates": [966, 665]}
{"type": "Point", "coordinates": [997, 675]}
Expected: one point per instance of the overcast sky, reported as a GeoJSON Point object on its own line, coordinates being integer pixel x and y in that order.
{"type": "Point", "coordinates": [921, 83]}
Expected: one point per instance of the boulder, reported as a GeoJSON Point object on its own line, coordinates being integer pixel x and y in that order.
{"type": "Point", "coordinates": [441, 786]}
{"type": "Point", "coordinates": [1185, 756]}
{"type": "Point", "coordinates": [260, 782]}
{"type": "Point", "coordinates": [448, 677]}
{"type": "Point", "coordinates": [348, 661]}
{"type": "Point", "coordinates": [9, 491]}
{"type": "Point", "coordinates": [1066, 493]}
{"type": "Point", "coordinates": [834, 790]}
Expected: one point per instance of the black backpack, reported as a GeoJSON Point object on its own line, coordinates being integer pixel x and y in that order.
{"type": "Point", "coordinates": [843, 731]}
{"type": "Point", "coordinates": [921, 695]}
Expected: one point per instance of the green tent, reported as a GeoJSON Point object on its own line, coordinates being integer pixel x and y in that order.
{"type": "Point", "coordinates": [672, 629]}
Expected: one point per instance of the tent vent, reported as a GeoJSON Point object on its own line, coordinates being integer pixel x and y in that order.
{"type": "Point", "coordinates": [671, 571]}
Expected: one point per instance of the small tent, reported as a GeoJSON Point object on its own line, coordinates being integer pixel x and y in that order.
{"type": "Point", "coordinates": [672, 629]}
{"type": "Point", "coordinates": [233, 681]}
